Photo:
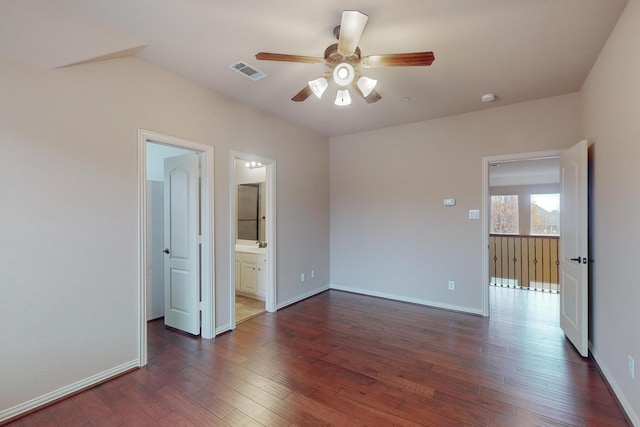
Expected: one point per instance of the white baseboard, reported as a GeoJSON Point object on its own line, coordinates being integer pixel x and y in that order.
{"type": "Point", "coordinates": [38, 402]}
{"type": "Point", "coordinates": [301, 297]}
{"type": "Point", "coordinates": [631, 413]}
{"type": "Point", "coordinates": [222, 329]}
{"type": "Point", "coordinates": [428, 303]}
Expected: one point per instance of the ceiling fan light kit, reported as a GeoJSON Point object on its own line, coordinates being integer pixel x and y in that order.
{"type": "Point", "coordinates": [344, 60]}
{"type": "Point", "coordinates": [366, 85]}
{"type": "Point", "coordinates": [343, 98]}
{"type": "Point", "coordinates": [343, 74]}
{"type": "Point", "coordinates": [318, 86]}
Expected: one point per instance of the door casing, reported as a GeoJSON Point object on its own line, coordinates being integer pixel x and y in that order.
{"type": "Point", "coordinates": [207, 234]}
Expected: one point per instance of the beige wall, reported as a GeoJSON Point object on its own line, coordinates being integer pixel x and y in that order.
{"type": "Point", "coordinates": [610, 117]}
{"type": "Point", "coordinates": [68, 205]}
{"type": "Point", "coordinates": [391, 234]}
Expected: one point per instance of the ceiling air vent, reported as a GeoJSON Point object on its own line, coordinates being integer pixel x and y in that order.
{"type": "Point", "coordinates": [247, 70]}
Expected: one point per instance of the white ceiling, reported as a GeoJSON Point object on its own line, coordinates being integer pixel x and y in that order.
{"type": "Point", "coordinates": [520, 50]}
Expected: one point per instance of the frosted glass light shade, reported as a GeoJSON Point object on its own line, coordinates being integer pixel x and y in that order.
{"type": "Point", "coordinates": [366, 85]}
{"type": "Point", "coordinates": [343, 97]}
{"type": "Point", "coordinates": [318, 86]}
{"type": "Point", "coordinates": [343, 74]}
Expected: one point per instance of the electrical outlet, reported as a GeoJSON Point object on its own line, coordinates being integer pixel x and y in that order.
{"type": "Point", "coordinates": [313, 274]}
{"type": "Point", "coordinates": [452, 285]}
{"type": "Point", "coordinates": [302, 277]}
{"type": "Point", "coordinates": [632, 368]}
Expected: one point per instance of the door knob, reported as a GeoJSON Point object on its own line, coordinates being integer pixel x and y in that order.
{"type": "Point", "coordinates": [166, 251]}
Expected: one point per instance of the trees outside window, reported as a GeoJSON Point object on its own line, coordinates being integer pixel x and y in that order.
{"type": "Point", "coordinates": [545, 214]}
{"type": "Point", "coordinates": [504, 214]}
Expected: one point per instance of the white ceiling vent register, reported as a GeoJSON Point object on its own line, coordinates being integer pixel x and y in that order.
{"type": "Point", "coordinates": [247, 70]}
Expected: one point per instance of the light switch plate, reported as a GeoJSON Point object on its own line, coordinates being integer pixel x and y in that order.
{"type": "Point", "coordinates": [474, 214]}
{"type": "Point", "coordinates": [449, 202]}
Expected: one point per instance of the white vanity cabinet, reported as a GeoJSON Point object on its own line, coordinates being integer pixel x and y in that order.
{"type": "Point", "coordinates": [238, 271]}
{"type": "Point", "coordinates": [261, 279]}
{"type": "Point", "coordinates": [251, 274]}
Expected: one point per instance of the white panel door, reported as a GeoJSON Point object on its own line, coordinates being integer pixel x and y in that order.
{"type": "Point", "coordinates": [574, 280]}
{"type": "Point", "coordinates": [182, 254]}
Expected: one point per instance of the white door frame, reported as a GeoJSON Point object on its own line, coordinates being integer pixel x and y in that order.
{"type": "Point", "coordinates": [486, 161]}
{"type": "Point", "coordinates": [207, 235]}
{"type": "Point", "coordinates": [270, 291]}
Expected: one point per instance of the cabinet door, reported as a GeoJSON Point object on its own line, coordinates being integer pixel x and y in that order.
{"type": "Point", "coordinates": [248, 275]}
{"type": "Point", "coordinates": [261, 285]}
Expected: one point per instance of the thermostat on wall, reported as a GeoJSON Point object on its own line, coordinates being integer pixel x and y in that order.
{"type": "Point", "coordinates": [449, 202]}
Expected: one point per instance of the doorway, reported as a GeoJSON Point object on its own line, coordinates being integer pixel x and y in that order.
{"type": "Point", "coordinates": [506, 179]}
{"type": "Point", "coordinates": [153, 148]}
{"type": "Point", "coordinates": [252, 236]}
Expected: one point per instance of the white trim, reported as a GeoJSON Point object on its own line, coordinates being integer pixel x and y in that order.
{"type": "Point", "coordinates": [207, 209]}
{"type": "Point", "coordinates": [223, 328]}
{"type": "Point", "coordinates": [427, 303]}
{"type": "Point", "coordinates": [484, 279]}
{"type": "Point", "coordinates": [617, 391]}
{"type": "Point", "coordinates": [303, 296]}
{"type": "Point", "coordinates": [65, 391]}
{"type": "Point", "coordinates": [271, 288]}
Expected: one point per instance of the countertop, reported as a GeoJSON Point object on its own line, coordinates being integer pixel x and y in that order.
{"type": "Point", "coordinates": [251, 249]}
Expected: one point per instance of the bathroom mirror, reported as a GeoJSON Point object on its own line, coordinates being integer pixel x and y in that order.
{"type": "Point", "coordinates": [250, 212]}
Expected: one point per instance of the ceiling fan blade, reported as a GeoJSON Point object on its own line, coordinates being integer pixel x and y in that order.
{"type": "Point", "coordinates": [266, 56]}
{"type": "Point", "coordinates": [351, 29]}
{"type": "Point", "coordinates": [303, 94]}
{"type": "Point", "coordinates": [398, 60]}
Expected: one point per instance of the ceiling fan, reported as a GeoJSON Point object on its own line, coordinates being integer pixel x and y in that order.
{"type": "Point", "coordinates": [344, 62]}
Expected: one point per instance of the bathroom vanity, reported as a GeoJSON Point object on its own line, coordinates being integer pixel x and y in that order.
{"type": "Point", "coordinates": [251, 271]}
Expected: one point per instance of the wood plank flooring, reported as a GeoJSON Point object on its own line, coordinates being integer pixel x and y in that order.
{"type": "Point", "coordinates": [349, 360]}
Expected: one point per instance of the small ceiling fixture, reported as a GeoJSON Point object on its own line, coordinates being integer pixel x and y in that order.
{"type": "Point", "coordinates": [344, 62]}
{"type": "Point", "coordinates": [253, 165]}
{"type": "Point", "coordinates": [488, 97]}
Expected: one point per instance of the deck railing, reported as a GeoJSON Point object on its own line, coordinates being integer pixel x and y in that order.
{"type": "Point", "coordinates": [530, 262]}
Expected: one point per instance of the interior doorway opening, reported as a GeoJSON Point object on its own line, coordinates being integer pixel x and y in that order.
{"type": "Point", "coordinates": [520, 233]}
{"type": "Point", "coordinates": [252, 237]}
{"type": "Point", "coordinates": [153, 149]}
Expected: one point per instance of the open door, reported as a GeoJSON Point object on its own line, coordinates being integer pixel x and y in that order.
{"type": "Point", "coordinates": [182, 254]}
{"type": "Point", "coordinates": [574, 294]}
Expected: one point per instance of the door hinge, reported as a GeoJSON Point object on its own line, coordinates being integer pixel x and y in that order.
{"type": "Point", "coordinates": [200, 305]}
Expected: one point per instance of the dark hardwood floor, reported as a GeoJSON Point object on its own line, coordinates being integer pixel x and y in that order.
{"type": "Point", "coordinates": [350, 360]}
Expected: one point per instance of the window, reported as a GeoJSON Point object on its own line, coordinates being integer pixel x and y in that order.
{"type": "Point", "coordinates": [504, 214]}
{"type": "Point", "coordinates": [545, 214]}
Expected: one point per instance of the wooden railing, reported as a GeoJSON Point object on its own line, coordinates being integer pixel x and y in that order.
{"type": "Point", "coordinates": [530, 262]}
